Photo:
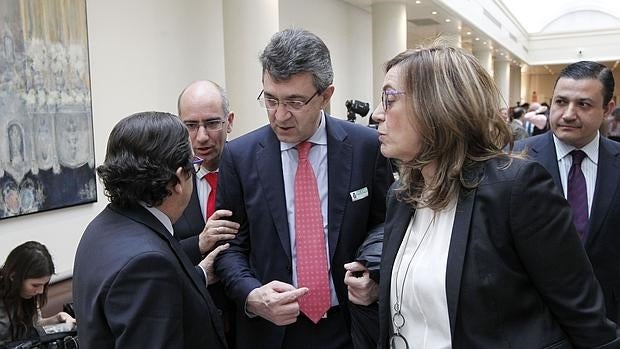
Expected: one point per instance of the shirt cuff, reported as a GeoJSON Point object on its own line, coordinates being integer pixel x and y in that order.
{"type": "Point", "coordinates": [205, 273]}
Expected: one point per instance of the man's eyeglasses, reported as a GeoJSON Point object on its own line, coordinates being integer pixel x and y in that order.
{"type": "Point", "coordinates": [209, 125]}
{"type": "Point", "coordinates": [388, 97]}
{"type": "Point", "coordinates": [272, 103]}
{"type": "Point", "coordinates": [197, 162]}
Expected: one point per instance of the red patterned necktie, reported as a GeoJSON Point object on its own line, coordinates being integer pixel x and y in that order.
{"type": "Point", "coordinates": [310, 240]}
{"type": "Point", "coordinates": [211, 178]}
{"type": "Point", "coordinates": [578, 193]}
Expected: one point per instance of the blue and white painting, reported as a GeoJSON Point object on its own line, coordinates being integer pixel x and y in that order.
{"type": "Point", "coordinates": [46, 130]}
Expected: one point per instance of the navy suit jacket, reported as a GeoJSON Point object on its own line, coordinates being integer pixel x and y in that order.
{"type": "Point", "coordinates": [189, 226]}
{"type": "Point", "coordinates": [517, 275]}
{"type": "Point", "coordinates": [603, 238]}
{"type": "Point", "coordinates": [251, 185]}
{"type": "Point", "coordinates": [134, 287]}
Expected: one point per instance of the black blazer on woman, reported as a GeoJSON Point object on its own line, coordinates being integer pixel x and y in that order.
{"type": "Point", "coordinates": [517, 275]}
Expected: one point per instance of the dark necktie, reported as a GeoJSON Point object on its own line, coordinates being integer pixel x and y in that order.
{"type": "Point", "coordinates": [211, 178]}
{"type": "Point", "coordinates": [578, 193]}
{"type": "Point", "coordinates": [310, 240]}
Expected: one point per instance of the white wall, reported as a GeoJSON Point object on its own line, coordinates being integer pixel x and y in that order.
{"type": "Point", "coordinates": [142, 53]}
{"type": "Point", "coordinates": [347, 32]}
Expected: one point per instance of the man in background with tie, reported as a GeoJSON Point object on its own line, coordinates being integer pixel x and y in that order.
{"type": "Point", "coordinates": [306, 190]}
{"type": "Point", "coordinates": [586, 167]}
{"type": "Point", "coordinates": [205, 110]}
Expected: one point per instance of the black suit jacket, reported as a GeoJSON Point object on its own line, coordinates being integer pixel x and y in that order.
{"type": "Point", "coordinates": [189, 226]}
{"type": "Point", "coordinates": [134, 287]}
{"type": "Point", "coordinates": [251, 185]}
{"type": "Point", "coordinates": [603, 238]}
{"type": "Point", "coordinates": [517, 275]}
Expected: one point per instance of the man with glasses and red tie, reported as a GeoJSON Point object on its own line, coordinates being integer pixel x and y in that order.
{"type": "Point", "coordinates": [585, 165]}
{"type": "Point", "coordinates": [306, 190]}
{"type": "Point", "coordinates": [205, 110]}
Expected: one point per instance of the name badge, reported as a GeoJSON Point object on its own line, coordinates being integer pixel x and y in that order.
{"type": "Point", "coordinates": [359, 194]}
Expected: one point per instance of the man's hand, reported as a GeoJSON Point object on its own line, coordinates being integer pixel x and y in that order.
{"type": "Point", "coordinates": [362, 289]}
{"type": "Point", "coordinates": [276, 302]}
{"type": "Point", "coordinates": [207, 263]}
{"type": "Point", "coordinates": [217, 229]}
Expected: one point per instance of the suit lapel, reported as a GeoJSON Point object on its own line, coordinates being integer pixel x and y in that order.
{"type": "Point", "coordinates": [339, 164]}
{"type": "Point", "coordinates": [544, 152]}
{"type": "Point", "coordinates": [141, 215]}
{"type": "Point", "coordinates": [456, 253]}
{"type": "Point", "coordinates": [192, 218]}
{"type": "Point", "coordinates": [606, 186]}
{"type": "Point", "coordinates": [269, 165]}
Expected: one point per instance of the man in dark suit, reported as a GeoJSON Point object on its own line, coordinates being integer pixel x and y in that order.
{"type": "Point", "coordinates": [582, 99]}
{"type": "Point", "coordinates": [134, 287]}
{"type": "Point", "coordinates": [205, 110]}
{"type": "Point", "coordinates": [306, 180]}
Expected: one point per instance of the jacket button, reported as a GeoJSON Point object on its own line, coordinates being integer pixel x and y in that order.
{"type": "Point", "coordinates": [289, 269]}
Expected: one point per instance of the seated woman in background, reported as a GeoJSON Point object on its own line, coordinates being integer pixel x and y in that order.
{"type": "Point", "coordinates": [24, 278]}
{"type": "Point", "coordinates": [479, 248]}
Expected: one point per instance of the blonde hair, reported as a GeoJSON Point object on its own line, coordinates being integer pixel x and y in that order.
{"type": "Point", "coordinates": [454, 105]}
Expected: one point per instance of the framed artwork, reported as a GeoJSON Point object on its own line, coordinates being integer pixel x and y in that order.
{"type": "Point", "coordinates": [46, 130]}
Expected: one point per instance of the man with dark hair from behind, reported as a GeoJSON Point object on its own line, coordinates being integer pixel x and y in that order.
{"type": "Point", "coordinates": [133, 285]}
{"type": "Point", "coordinates": [586, 166]}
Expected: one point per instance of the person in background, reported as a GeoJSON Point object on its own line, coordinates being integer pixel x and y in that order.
{"type": "Point", "coordinates": [133, 285]}
{"type": "Point", "coordinates": [306, 190]}
{"type": "Point", "coordinates": [516, 125]}
{"type": "Point", "coordinates": [470, 260]}
{"type": "Point", "coordinates": [586, 167]}
{"type": "Point", "coordinates": [24, 279]}
{"type": "Point", "coordinates": [205, 110]}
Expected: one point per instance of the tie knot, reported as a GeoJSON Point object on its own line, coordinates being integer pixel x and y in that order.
{"type": "Point", "coordinates": [303, 148]}
{"type": "Point", "coordinates": [578, 156]}
{"type": "Point", "coordinates": [211, 178]}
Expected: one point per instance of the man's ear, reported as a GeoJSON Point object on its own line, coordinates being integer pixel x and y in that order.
{"type": "Point", "coordinates": [182, 176]}
{"type": "Point", "coordinates": [230, 118]}
{"type": "Point", "coordinates": [611, 106]}
{"type": "Point", "coordinates": [327, 95]}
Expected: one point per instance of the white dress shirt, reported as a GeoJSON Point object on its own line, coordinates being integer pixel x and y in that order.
{"type": "Point", "coordinates": [419, 279]}
{"type": "Point", "coordinates": [203, 189]}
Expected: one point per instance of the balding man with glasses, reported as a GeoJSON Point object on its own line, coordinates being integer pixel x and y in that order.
{"type": "Point", "coordinates": [306, 190]}
{"type": "Point", "coordinates": [205, 110]}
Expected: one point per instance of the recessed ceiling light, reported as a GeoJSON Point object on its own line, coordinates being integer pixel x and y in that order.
{"type": "Point", "coordinates": [484, 42]}
{"type": "Point", "coordinates": [418, 2]}
{"type": "Point", "coordinates": [434, 12]}
{"type": "Point", "coordinates": [468, 33]}
{"type": "Point", "coordinates": [448, 20]}
{"type": "Point", "coordinates": [501, 53]}
{"type": "Point", "coordinates": [477, 39]}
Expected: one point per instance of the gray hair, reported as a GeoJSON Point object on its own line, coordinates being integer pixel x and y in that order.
{"type": "Point", "coordinates": [293, 51]}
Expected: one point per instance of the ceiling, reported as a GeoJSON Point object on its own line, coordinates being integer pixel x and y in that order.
{"type": "Point", "coordinates": [426, 20]}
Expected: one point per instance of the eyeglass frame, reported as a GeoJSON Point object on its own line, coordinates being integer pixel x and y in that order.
{"type": "Point", "coordinates": [287, 104]}
{"type": "Point", "coordinates": [384, 97]}
{"type": "Point", "coordinates": [194, 126]}
{"type": "Point", "coordinates": [197, 163]}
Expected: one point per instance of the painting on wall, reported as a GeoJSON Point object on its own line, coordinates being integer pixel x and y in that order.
{"type": "Point", "coordinates": [46, 129]}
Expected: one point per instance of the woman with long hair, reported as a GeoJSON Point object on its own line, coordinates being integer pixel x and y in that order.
{"type": "Point", "coordinates": [24, 280]}
{"type": "Point", "coordinates": [479, 250]}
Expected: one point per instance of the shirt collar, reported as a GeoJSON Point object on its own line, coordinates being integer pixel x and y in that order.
{"type": "Point", "coordinates": [202, 172]}
{"type": "Point", "coordinates": [319, 136]}
{"type": "Point", "coordinates": [165, 220]}
{"type": "Point", "coordinates": [591, 149]}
